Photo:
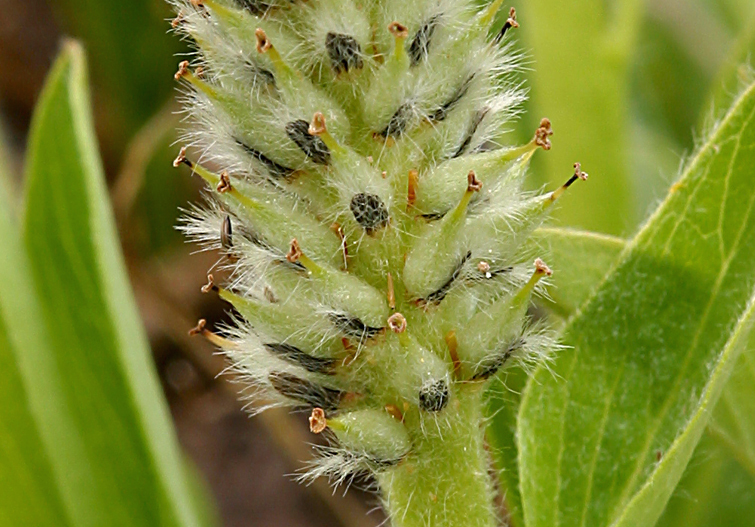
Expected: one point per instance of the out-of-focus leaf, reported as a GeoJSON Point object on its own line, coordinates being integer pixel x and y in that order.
{"type": "Point", "coordinates": [581, 52]}
{"type": "Point", "coordinates": [29, 495]}
{"type": "Point", "coordinates": [504, 398]}
{"type": "Point", "coordinates": [669, 82]}
{"type": "Point", "coordinates": [734, 13]}
{"type": "Point", "coordinates": [7, 186]}
{"type": "Point", "coordinates": [736, 71]}
{"type": "Point", "coordinates": [93, 393]}
{"type": "Point", "coordinates": [733, 423]}
{"type": "Point", "coordinates": [580, 260]}
{"type": "Point", "coordinates": [605, 435]}
{"type": "Point", "coordinates": [715, 490]}
{"type": "Point", "coordinates": [132, 55]}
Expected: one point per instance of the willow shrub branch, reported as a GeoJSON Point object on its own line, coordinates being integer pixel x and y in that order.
{"type": "Point", "coordinates": [372, 230]}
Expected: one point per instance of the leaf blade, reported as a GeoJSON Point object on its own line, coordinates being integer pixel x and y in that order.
{"type": "Point", "coordinates": [715, 490]}
{"type": "Point", "coordinates": [643, 346]}
{"type": "Point", "coordinates": [114, 418]}
{"type": "Point", "coordinates": [29, 494]}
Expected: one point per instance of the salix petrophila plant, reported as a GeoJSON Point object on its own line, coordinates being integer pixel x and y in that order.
{"type": "Point", "coordinates": [372, 223]}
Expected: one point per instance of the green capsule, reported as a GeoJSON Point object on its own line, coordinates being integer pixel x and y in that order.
{"type": "Point", "coordinates": [373, 433]}
{"type": "Point", "coordinates": [495, 327]}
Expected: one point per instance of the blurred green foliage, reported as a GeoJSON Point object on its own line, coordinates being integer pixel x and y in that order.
{"type": "Point", "coordinates": [132, 55]}
{"type": "Point", "coordinates": [629, 86]}
{"type": "Point", "coordinates": [86, 428]}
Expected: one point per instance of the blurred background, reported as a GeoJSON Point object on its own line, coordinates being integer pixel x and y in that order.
{"type": "Point", "coordinates": [629, 86]}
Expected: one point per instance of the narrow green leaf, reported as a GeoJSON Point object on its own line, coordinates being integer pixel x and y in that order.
{"type": "Point", "coordinates": [29, 495]}
{"type": "Point", "coordinates": [605, 434]}
{"type": "Point", "coordinates": [94, 395]}
{"type": "Point", "coordinates": [8, 200]}
{"type": "Point", "coordinates": [582, 50]}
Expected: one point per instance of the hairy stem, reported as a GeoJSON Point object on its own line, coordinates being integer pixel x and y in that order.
{"type": "Point", "coordinates": [445, 480]}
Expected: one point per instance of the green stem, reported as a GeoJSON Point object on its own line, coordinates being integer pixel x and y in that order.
{"type": "Point", "coordinates": [445, 481]}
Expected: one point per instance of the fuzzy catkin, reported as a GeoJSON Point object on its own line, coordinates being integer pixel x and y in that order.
{"type": "Point", "coordinates": [372, 224]}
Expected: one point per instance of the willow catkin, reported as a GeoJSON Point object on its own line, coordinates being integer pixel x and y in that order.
{"type": "Point", "coordinates": [372, 222]}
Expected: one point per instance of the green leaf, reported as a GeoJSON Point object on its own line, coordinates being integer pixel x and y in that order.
{"type": "Point", "coordinates": [93, 391]}
{"type": "Point", "coordinates": [583, 87]}
{"type": "Point", "coordinates": [29, 495]}
{"type": "Point", "coordinates": [721, 478]}
{"type": "Point", "coordinates": [650, 352]}
{"type": "Point", "coordinates": [733, 422]}
{"type": "Point", "coordinates": [7, 187]}
{"type": "Point", "coordinates": [715, 490]}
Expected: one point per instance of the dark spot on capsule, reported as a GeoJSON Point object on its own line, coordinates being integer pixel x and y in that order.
{"type": "Point", "coordinates": [491, 367]}
{"type": "Point", "coordinates": [353, 327]}
{"type": "Point", "coordinates": [309, 394]}
{"type": "Point", "coordinates": [498, 272]}
{"type": "Point", "coordinates": [438, 296]}
{"type": "Point", "coordinates": [344, 52]}
{"type": "Point", "coordinates": [226, 233]}
{"type": "Point", "coordinates": [398, 121]}
{"type": "Point", "coordinates": [369, 211]}
{"type": "Point", "coordinates": [275, 170]}
{"type": "Point", "coordinates": [257, 7]}
{"type": "Point", "coordinates": [433, 396]}
{"type": "Point", "coordinates": [264, 75]}
{"type": "Point", "coordinates": [383, 463]}
{"type": "Point", "coordinates": [470, 133]}
{"type": "Point", "coordinates": [432, 216]}
{"type": "Point", "coordinates": [419, 47]}
{"type": "Point", "coordinates": [442, 112]}
{"type": "Point", "coordinates": [314, 147]}
{"type": "Point", "coordinates": [294, 355]}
